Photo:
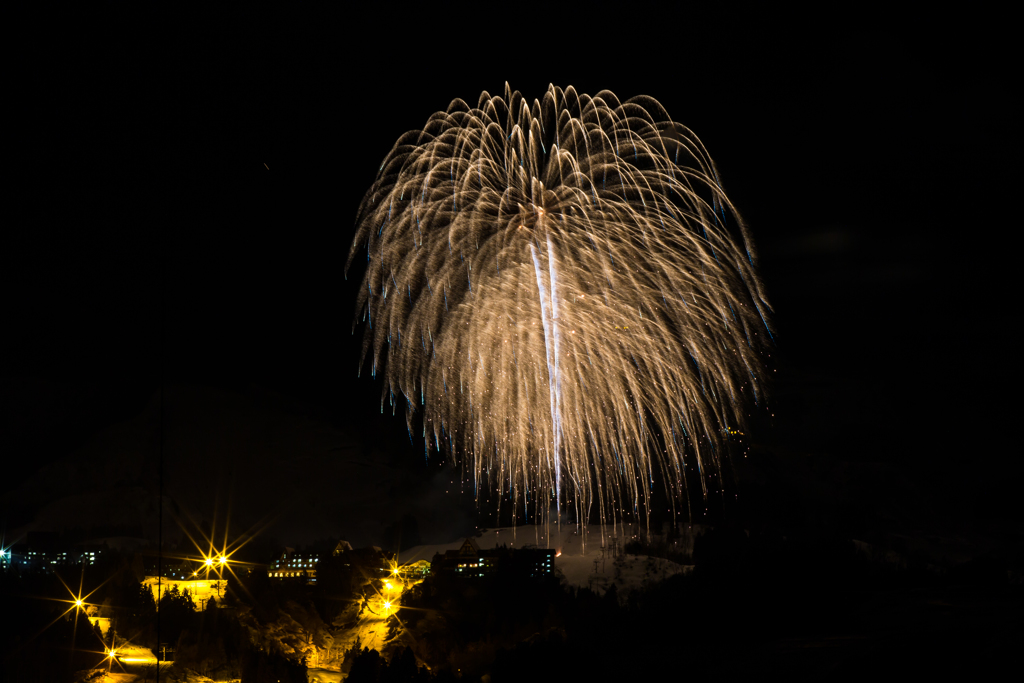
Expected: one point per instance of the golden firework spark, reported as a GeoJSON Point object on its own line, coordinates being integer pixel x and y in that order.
{"type": "Point", "coordinates": [567, 294]}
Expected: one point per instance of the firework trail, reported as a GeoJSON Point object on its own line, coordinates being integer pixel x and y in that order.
{"type": "Point", "coordinates": [566, 293]}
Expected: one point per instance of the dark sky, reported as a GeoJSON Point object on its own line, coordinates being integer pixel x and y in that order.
{"type": "Point", "coordinates": [871, 164]}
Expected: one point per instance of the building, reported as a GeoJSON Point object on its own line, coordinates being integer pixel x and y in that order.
{"type": "Point", "coordinates": [182, 570]}
{"type": "Point", "coordinates": [47, 551]}
{"type": "Point", "coordinates": [86, 554]}
{"type": "Point", "coordinates": [298, 564]}
{"type": "Point", "coordinates": [303, 565]}
{"type": "Point", "coordinates": [470, 561]}
{"type": "Point", "coordinates": [412, 571]}
{"type": "Point", "coordinates": [295, 564]}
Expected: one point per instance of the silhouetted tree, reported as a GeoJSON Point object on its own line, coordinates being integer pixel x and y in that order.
{"type": "Point", "coordinates": [351, 654]}
{"type": "Point", "coordinates": [401, 669]}
{"type": "Point", "coordinates": [260, 666]}
{"type": "Point", "coordinates": [97, 631]}
{"type": "Point", "coordinates": [366, 667]}
{"type": "Point", "coordinates": [177, 612]}
{"type": "Point", "coordinates": [132, 611]}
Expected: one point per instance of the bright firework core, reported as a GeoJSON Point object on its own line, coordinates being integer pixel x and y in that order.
{"type": "Point", "coordinates": [565, 291]}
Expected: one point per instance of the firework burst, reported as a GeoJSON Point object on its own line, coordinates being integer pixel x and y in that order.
{"type": "Point", "coordinates": [566, 293]}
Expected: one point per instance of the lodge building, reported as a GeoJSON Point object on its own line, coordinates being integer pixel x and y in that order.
{"type": "Point", "coordinates": [295, 564]}
{"type": "Point", "coordinates": [472, 562]}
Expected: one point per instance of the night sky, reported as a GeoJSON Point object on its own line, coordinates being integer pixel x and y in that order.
{"type": "Point", "coordinates": [184, 211]}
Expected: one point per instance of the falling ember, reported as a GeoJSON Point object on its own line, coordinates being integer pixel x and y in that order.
{"type": "Point", "coordinates": [566, 293]}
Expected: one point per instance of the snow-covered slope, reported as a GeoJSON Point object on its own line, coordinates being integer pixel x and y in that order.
{"type": "Point", "coordinates": [588, 557]}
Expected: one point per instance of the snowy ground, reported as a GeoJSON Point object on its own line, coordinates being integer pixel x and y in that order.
{"type": "Point", "coordinates": [324, 676]}
{"type": "Point", "coordinates": [371, 615]}
{"type": "Point", "coordinates": [138, 665]}
{"type": "Point", "coordinates": [131, 664]}
{"type": "Point", "coordinates": [371, 627]}
{"type": "Point", "coordinates": [588, 557]}
{"type": "Point", "coordinates": [104, 624]}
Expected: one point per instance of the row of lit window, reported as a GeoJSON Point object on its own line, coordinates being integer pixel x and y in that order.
{"type": "Point", "coordinates": [33, 552]}
{"type": "Point", "coordinates": [283, 574]}
{"type": "Point", "coordinates": [295, 563]}
{"type": "Point", "coordinates": [461, 566]}
{"type": "Point", "coordinates": [61, 557]}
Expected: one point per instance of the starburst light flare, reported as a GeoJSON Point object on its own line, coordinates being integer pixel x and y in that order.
{"type": "Point", "coordinates": [565, 291]}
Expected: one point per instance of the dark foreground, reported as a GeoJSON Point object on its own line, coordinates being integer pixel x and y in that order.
{"type": "Point", "coordinates": [808, 607]}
